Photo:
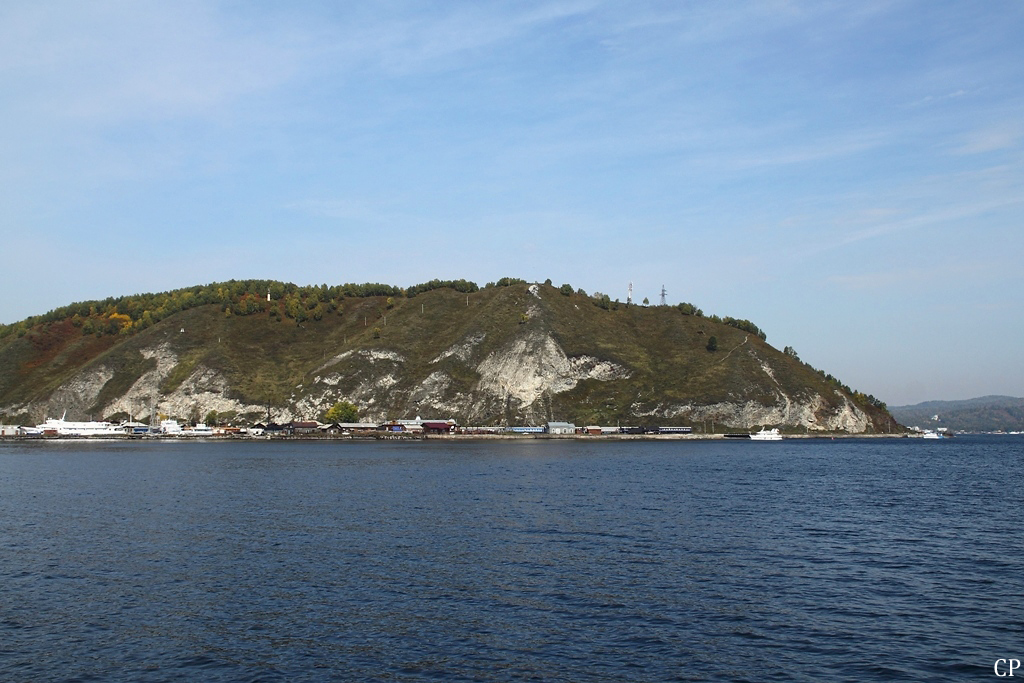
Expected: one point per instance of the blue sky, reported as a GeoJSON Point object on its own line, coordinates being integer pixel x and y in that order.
{"type": "Point", "coordinates": [846, 175]}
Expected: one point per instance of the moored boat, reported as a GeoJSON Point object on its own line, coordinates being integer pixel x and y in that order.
{"type": "Point", "coordinates": [766, 435]}
{"type": "Point", "coordinates": [170, 427]}
{"type": "Point", "coordinates": [198, 430]}
{"type": "Point", "coordinates": [62, 427]}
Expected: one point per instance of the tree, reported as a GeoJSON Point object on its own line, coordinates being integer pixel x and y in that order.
{"type": "Point", "coordinates": [791, 352]}
{"type": "Point", "coordinates": [746, 326]}
{"type": "Point", "coordinates": [646, 301]}
{"type": "Point", "coordinates": [211, 418]}
{"type": "Point", "coordinates": [273, 398]}
{"type": "Point", "coordinates": [712, 344]}
{"type": "Point", "coordinates": [464, 286]}
{"type": "Point", "coordinates": [689, 309]}
{"type": "Point", "coordinates": [342, 411]}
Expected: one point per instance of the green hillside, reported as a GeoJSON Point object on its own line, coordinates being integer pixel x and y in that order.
{"type": "Point", "coordinates": [505, 353]}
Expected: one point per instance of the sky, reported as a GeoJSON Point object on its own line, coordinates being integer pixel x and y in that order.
{"type": "Point", "coordinates": [848, 176]}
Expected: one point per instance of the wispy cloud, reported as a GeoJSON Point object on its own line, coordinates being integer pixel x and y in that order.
{"type": "Point", "coordinates": [907, 277]}
{"type": "Point", "coordinates": [937, 99]}
{"type": "Point", "coordinates": [426, 38]}
{"type": "Point", "coordinates": [957, 213]}
{"type": "Point", "coordinates": [783, 141]}
{"type": "Point", "coordinates": [363, 212]}
{"type": "Point", "coordinates": [121, 60]}
{"type": "Point", "coordinates": [992, 139]}
{"type": "Point", "coordinates": [829, 148]}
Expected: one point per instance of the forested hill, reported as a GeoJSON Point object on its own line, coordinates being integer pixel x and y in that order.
{"type": "Point", "coordinates": [984, 414]}
{"type": "Point", "coordinates": [505, 353]}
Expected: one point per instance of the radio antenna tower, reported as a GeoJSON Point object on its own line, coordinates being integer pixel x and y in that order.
{"type": "Point", "coordinates": [663, 293]}
{"type": "Point", "coordinates": [629, 294]}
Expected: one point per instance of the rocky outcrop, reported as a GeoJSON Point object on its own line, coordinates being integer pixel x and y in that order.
{"type": "Point", "coordinates": [76, 396]}
{"type": "Point", "coordinates": [522, 355]}
{"type": "Point", "coordinates": [811, 413]}
{"type": "Point", "coordinates": [518, 376]}
{"type": "Point", "coordinates": [535, 365]}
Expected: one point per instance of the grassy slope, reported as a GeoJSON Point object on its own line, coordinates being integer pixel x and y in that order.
{"type": "Point", "coordinates": [667, 352]}
{"type": "Point", "coordinates": [37, 363]}
{"type": "Point", "coordinates": [265, 357]}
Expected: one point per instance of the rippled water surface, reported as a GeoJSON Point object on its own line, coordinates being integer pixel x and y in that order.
{"type": "Point", "coordinates": [859, 560]}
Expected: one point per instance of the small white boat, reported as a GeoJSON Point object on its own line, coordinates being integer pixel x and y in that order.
{"type": "Point", "coordinates": [766, 435]}
{"type": "Point", "coordinates": [931, 435]}
{"type": "Point", "coordinates": [199, 430]}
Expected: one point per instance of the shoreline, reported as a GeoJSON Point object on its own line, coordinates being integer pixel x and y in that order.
{"type": "Point", "coordinates": [604, 438]}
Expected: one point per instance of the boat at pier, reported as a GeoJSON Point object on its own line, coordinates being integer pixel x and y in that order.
{"type": "Point", "coordinates": [62, 427]}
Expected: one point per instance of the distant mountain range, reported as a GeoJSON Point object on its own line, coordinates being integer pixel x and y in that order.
{"type": "Point", "coordinates": [984, 414]}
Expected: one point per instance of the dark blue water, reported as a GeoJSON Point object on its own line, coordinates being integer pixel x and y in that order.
{"type": "Point", "coordinates": [866, 560]}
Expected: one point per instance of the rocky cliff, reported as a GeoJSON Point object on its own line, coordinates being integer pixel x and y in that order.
{"type": "Point", "coordinates": [503, 355]}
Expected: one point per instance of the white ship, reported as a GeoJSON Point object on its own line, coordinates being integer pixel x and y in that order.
{"type": "Point", "coordinates": [62, 427]}
{"type": "Point", "coordinates": [766, 435]}
{"type": "Point", "coordinates": [170, 427]}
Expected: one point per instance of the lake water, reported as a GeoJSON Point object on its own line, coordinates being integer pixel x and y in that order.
{"type": "Point", "coordinates": [805, 560]}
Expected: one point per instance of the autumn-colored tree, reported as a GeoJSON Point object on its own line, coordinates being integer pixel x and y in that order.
{"type": "Point", "coordinates": [342, 411]}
